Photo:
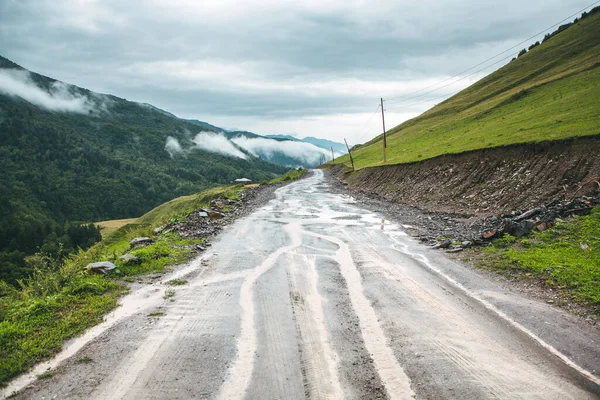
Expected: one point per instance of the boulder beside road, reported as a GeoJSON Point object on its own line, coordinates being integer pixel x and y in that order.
{"type": "Point", "coordinates": [139, 241]}
{"type": "Point", "coordinates": [102, 267]}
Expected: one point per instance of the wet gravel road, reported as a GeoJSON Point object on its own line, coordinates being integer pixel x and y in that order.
{"type": "Point", "coordinates": [312, 296]}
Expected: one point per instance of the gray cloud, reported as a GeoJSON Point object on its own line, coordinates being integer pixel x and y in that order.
{"type": "Point", "coordinates": [266, 63]}
{"type": "Point", "coordinates": [173, 147]}
{"type": "Point", "coordinates": [304, 153]}
{"type": "Point", "coordinates": [217, 143]}
{"type": "Point", "coordinates": [59, 97]}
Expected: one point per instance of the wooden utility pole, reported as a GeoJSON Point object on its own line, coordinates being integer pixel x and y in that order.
{"type": "Point", "coordinates": [350, 154]}
{"type": "Point", "coordinates": [332, 156]}
{"type": "Point", "coordinates": [384, 139]}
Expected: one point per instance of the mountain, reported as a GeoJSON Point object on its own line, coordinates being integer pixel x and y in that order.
{"type": "Point", "coordinates": [326, 144]}
{"type": "Point", "coordinates": [283, 137]}
{"type": "Point", "coordinates": [69, 154]}
{"type": "Point", "coordinates": [204, 125]}
{"type": "Point", "coordinates": [274, 148]}
{"type": "Point", "coordinates": [280, 150]}
{"type": "Point", "coordinates": [550, 92]}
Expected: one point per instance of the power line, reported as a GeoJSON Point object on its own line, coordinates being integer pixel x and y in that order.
{"type": "Point", "coordinates": [499, 54]}
{"type": "Point", "coordinates": [367, 123]}
{"type": "Point", "coordinates": [451, 83]}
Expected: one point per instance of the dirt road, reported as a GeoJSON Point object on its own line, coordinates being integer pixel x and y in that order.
{"type": "Point", "coordinates": [313, 297]}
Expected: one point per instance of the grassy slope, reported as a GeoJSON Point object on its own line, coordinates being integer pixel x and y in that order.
{"type": "Point", "coordinates": [550, 93]}
{"type": "Point", "coordinates": [291, 175]}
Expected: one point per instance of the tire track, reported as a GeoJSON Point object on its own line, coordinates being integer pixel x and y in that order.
{"type": "Point", "coordinates": [319, 362]}
{"type": "Point", "coordinates": [240, 373]}
{"type": "Point", "coordinates": [392, 375]}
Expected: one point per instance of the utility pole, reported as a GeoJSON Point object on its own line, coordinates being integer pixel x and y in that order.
{"type": "Point", "coordinates": [350, 154]}
{"type": "Point", "coordinates": [384, 139]}
{"type": "Point", "coordinates": [332, 156]}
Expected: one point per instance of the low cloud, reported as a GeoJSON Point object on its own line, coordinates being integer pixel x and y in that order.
{"type": "Point", "coordinates": [173, 147]}
{"type": "Point", "coordinates": [217, 143]}
{"type": "Point", "coordinates": [59, 96]}
{"type": "Point", "coordinates": [286, 152]}
{"type": "Point", "coordinates": [305, 154]}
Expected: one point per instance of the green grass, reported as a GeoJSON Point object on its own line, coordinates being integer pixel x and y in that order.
{"type": "Point", "coordinates": [156, 314]}
{"type": "Point", "coordinates": [550, 93]}
{"type": "Point", "coordinates": [291, 175]}
{"type": "Point", "coordinates": [45, 375]}
{"type": "Point", "coordinates": [55, 305]}
{"type": "Point", "coordinates": [51, 308]}
{"type": "Point", "coordinates": [555, 255]}
{"type": "Point", "coordinates": [177, 282]}
{"type": "Point", "coordinates": [108, 227]}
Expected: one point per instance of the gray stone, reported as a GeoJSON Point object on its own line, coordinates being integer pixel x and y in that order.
{"type": "Point", "coordinates": [443, 245]}
{"type": "Point", "coordinates": [518, 229]}
{"type": "Point", "coordinates": [102, 267]}
{"type": "Point", "coordinates": [140, 240]}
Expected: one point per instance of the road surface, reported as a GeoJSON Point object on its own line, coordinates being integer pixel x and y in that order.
{"type": "Point", "coordinates": [312, 296]}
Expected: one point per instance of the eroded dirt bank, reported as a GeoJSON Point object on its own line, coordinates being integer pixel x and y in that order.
{"type": "Point", "coordinates": [486, 182]}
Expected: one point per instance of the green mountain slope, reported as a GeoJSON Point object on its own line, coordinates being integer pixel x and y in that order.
{"type": "Point", "coordinates": [551, 92]}
{"type": "Point", "coordinates": [108, 163]}
{"type": "Point", "coordinates": [326, 144]}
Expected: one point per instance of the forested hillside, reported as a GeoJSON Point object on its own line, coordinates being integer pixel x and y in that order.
{"type": "Point", "coordinates": [106, 163]}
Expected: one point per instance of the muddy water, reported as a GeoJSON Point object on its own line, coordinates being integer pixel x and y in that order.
{"type": "Point", "coordinates": [313, 297]}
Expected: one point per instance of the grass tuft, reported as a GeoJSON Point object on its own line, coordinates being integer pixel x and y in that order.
{"type": "Point", "coordinates": [177, 282]}
{"type": "Point", "coordinates": [45, 375]}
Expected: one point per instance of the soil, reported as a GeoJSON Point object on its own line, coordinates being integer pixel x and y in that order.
{"type": "Point", "coordinates": [485, 182]}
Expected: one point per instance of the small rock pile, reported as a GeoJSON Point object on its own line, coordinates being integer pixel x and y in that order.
{"type": "Point", "coordinates": [517, 223]}
{"type": "Point", "coordinates": [206, 222]}
{"type": "Point", "coordinates": [521, 223]}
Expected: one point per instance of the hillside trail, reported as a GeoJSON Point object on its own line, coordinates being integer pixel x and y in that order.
{"type": "Point", "coordinates": [312, 296]}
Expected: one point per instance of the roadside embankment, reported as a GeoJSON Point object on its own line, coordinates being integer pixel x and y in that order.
{"type": "Point", "coordinates": [485, 182]}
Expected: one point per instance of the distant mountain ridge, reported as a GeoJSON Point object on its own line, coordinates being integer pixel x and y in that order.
{"type": "Point", "coordinates": [326, 144]}
{"type": "Point", "coordinates": [285, 156]}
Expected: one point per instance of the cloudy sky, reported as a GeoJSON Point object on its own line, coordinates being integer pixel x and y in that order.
{"type": "Point", "coordinates": [306, 68]}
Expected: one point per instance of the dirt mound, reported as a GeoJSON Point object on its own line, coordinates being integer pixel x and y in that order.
{"type": "Point", "coordinates": [490, 181]}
